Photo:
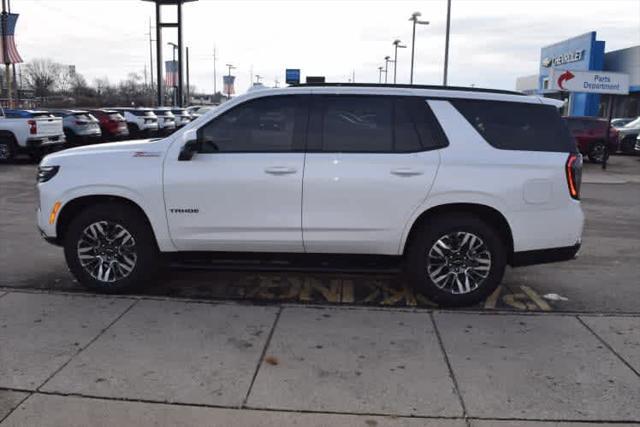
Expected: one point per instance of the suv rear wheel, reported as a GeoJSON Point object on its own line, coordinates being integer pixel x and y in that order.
{"type": "Point", "coordinates": [110, 248]}
{"type": "Point", "coordinates": [456, 260]}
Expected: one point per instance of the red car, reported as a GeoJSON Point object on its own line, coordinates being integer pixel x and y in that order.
{"type": "Point", "coordinates": [590, 134]}
{"type": "Point", "coordinates": [112, 124]}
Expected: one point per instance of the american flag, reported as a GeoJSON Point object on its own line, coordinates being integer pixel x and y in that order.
{"type": "Point", "coordinates": [171, 73]}
{"type": "Point", "coordinates": [228, 84]}
{"type": "Point", "coordinates": [13, 57]}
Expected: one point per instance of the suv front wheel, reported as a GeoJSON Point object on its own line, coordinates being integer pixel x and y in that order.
{"type": "Point", "coordinates": [110, 248]}
{"type": "Point", "coordinates": [456, 260]}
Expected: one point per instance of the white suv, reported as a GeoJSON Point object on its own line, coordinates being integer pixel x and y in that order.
{"type": "Point", "coordinates": [456, 183]}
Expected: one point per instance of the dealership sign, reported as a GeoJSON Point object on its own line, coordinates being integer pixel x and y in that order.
{"type": "Point", "coordinates": [589, 81]}
{"type": "Point", "coordinates": [564, 58]}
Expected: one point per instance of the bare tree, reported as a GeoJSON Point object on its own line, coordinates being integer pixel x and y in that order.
{"type": "Point", "coordinates": [42, 76]}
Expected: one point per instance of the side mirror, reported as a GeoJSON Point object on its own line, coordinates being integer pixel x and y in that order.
{"type": "Point", "coordinates": [191, 146]}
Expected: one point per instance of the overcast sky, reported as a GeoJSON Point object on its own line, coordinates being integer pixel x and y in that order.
{"type": "Point", "coordinates": [492, 42]}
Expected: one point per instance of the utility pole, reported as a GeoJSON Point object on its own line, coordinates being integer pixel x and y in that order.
{"type": "Point", "coordinates": [5, 53]}
{"type": "Point", "coordinates": [215, 78]}
{"type": "Point", "coordinates": [13, 66]}
{"type": "Point", "coordinates": [188, 92]}
{"type": "Point", "coordinates": [446, 44]}
{"type": "Point", "coordinates": [150, 55]}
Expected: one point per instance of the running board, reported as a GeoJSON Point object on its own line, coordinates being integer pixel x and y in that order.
{"type": "Point", "coordinates": [287, 262]}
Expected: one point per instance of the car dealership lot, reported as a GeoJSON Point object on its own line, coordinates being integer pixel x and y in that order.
{"type": "Point", "coordinates": [556, 342]}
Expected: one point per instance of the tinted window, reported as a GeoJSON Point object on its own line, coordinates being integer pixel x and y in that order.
{"type": "Point", "coordinates": [357, 124]}
{"type": "Point", "coordinates": [265, 124]}
{"type": "Point", "coordinates": [518, 126]}
{"type": "Point", "coordinates": [142, 112]}
{"type": "Point", "coordinates": [413, 113]}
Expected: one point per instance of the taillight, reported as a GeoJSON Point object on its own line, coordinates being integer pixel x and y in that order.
{"type": "Point", "coordinates": [573, 168]}
{"type": "Point", "coordinates": [33, 127]}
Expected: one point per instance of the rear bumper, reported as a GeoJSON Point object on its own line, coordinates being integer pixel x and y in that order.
{"type": "Point", "coordinates": [544, 256]}
{"type": "Point", "coordinates": [45, 141]}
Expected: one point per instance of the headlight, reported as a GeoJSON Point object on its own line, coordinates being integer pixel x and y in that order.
{"type": "Point", "coordinates": [45, 173]}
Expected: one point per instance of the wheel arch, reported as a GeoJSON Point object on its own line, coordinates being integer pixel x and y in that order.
{"type": "Point", "coordinates": [486, 213]}
{"type": "Point", "coordinates": [76, 205]}
{"type": "Point", "coordinates": [9, 135]}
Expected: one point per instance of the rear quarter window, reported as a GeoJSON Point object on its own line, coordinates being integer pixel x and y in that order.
{"type": "Point", "coordinates": [517, 126]}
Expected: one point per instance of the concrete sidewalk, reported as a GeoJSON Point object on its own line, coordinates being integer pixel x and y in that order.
{"type": "Point", "coordinates": [77, 360]}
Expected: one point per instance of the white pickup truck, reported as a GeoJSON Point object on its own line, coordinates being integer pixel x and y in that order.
{"type": "Point", "coordinates": [28, 131]}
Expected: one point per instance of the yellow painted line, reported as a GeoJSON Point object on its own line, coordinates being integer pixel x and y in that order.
{"type": "Point", "coordinates": [513, 300]}
{"type": "Point", "coordinates": [490, 303]}
{"type": "Point", "coordinates": [347, 291]}
{"type": "Point", "coordinates": [541, 303]}
{"type": "Point", "coordinates": [330, 293]}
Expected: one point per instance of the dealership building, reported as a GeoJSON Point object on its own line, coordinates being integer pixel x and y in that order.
{"type": "Point", "coordinates": [586, 53]}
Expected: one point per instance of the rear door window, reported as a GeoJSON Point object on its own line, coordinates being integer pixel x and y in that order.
{"type": "Point", "coordinates": [517, 126]}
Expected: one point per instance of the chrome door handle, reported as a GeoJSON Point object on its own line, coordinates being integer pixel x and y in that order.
{"type": "Point", "coordinates": [280, 170]}
{"type": "Point", "coordinates": [406, 172]}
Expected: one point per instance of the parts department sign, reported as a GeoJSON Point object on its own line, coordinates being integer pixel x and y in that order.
{"type": "Point", "coordinates": [589, 82]}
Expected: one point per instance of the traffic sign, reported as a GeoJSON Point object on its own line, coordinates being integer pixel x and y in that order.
{"type": "Point", "coordinates": [589, 81]}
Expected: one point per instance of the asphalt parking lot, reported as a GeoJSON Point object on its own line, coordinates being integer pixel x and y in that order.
{"type": "Point", "coordinates": [555, 345]}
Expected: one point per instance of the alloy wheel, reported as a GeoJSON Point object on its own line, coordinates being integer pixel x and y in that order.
{"type": "Point", "coordinates": [458, 262]}
{"type": "Point", "coordinates": [107, 251]}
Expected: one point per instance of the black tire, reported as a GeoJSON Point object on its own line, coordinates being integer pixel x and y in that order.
{"type": "Point", "coordinates": [7, 150]}
{"type": "Point", "coordinates": [419, 260]}
{"type": "Point", "coordinates": [147, 263]}
{"type": "Point", "coordinates": [597, 152]}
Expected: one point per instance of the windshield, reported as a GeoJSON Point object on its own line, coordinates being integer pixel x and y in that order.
{"type": "Point", "coordinates": [84, 116]}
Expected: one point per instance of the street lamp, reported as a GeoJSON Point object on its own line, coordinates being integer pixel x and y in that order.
{"type": "Point", "coordinates": [387, 59]}
{"type": "Point", "coordinates": [231, 67]}
{"type": "Point", "coordinates": [175, 47]}
{"type": "Point", "coordinates": [446, 45]}
{"type": "Point", "coordinates": [397, 45]}
{"type": "Point", "coordinates": [380, 68]}
{"type": "Point", "coordinates": [414, 18]}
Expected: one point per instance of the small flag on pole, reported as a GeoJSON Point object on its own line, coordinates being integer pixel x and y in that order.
{"type": "Point", "coordinates": [228, 84]}
{"type": "Point", "coordinates": [13, 57]}
{"type": "Point", "coordinates": [171, 73]}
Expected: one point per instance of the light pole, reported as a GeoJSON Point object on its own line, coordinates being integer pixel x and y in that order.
{"type": "Point", "coordinates": [175, 46]}
{"type": "Point", "coordinates": [231, 67]}
{"type": "Point", "coordinates": [446, 44]}
{"type": "Point", "coordinates": [414, 18]}
{"type": "Point", "coordinates": [397, 44]}
{"type": "Point", "coordinates": [387, 59]}
{"type": "Point", "coordinates": [380, 76]}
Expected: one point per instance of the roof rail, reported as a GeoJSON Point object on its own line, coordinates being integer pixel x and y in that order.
{"type": "Point", "coordinates": [406, 86]}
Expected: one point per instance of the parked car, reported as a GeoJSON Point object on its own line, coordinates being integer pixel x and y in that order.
{"type": "Point", "coordinates": [141, 122]}
{"type": "Point", "coordinates": [637, 146]}
{"type": "Point", "coordinates": [29, 131]}
{"type": "Point", "coordinates": [441, 180]}
{"type": "Point", "coordinates": [79, 126]}
{"type": "Point", "coordinates": [182, 116]}
{"type": "Point", "coordinates": [590, 134]}
{"type": "Point", "coordinates": [197, 111]}
{"type": "Point", "coordinates": [166, 121]}
{"type": "Point", "coordinates": [621, 122]}
{"type": "Point", "coordinates": [112, 124]}
{"type": "Point", "coordinates": [628, 135]}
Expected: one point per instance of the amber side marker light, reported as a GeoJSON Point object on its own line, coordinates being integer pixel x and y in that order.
{"type": "Point", "coordinates": [54, 212]}
{"type": "Point", "coordinates": [574, 174]}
